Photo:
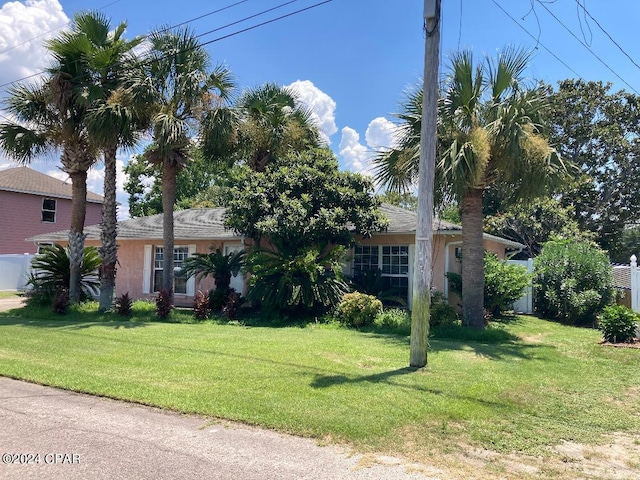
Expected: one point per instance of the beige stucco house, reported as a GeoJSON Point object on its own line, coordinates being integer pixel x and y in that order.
{"type": "Point", "coordinates": [197, 230]}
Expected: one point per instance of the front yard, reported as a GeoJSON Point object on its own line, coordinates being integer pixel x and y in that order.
{"type": "Point", "coordinates": [516, 408]}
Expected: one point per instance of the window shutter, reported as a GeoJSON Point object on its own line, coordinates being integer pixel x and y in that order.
{"type": "Point", "coordinates": [146, 270]}
{"type": "Point", "coordinates": [191, 283]}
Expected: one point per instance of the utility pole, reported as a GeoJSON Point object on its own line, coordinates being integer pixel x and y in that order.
{"type": "Point", "coordinates": [421, 304]}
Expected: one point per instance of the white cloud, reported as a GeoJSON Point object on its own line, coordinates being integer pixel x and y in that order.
{"type": "Point", "coordinates": [23, 29]}
{"type": "Point", "coordinates": [357, 156]}
{"type": "Point", "coordinates": [380, 133]}
{"type": "Point", "coordinates": [322, 106]}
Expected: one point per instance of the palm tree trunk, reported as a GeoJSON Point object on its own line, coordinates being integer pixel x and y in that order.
{"type": "Point", "coordinates": [76, 233]}
{"type": "Point", "coordinates": [169, 176]}
{"type": "Point", "coordinates": [472, 259]}
{"type": "Point", "coordinates": [108, 231]}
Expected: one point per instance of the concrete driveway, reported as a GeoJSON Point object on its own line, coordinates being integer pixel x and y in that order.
{"type": "Point", "coordinates": [9, 303]}
{"type": "Point", "coordinates": [46, 433]}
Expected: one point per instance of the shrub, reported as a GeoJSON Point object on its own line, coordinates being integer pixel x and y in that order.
{"type": "Point", "coordinates": [371, 282]}
{"type": "Point", "coordinates": [61, 301]}
{"type": "Point", "coordinates": [201, 307]}
{"type": "Point", "coordinates": [308, 278]}
{"type": "Point", "coordinates": [617, 323]}
{"type": "Point", "coordinates": [357, 309]}
{"type": "Point", "coordinates": [503, 283]}
{"type": "Point", "coordinates": [52, 273]}
{"type": "Point", "coordinates": [573, 281]}
{"type": "Point", "coordinates": [230, 309]}
{"type": "Point", "coordinates": [442, 314]}
{"type": "Point", "coordinates": [218, 298]}
{"type": "Point", "coordinates": [124, 305]}
{"type": "Point", "coordinates": [397, 320]}
{"type": "Point", "coordinates": [163, 304]}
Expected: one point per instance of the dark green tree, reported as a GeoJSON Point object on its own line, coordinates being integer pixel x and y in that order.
{"type": "Point", "coordinates": [304, 200]}
{"type": "Point", "coordinates": [599, 131]}
{"type": "Point", "coordinates": [534, 223]}
{"type": "Point", "coordinates": [303, 211]}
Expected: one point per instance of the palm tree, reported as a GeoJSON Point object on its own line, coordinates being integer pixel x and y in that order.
{"type": "Point", "coordinates": [216, 264]}
{"type": "Point", "coordinates": [116, 119]}
{"type": "Point", "coordinates": [50, 115]}
{"type": "Point", "coordinates": [265, 123]}
{"type": "Point", "coordinates": [490, 130]}
{"type": "Point", "coordinates": [184, 91]}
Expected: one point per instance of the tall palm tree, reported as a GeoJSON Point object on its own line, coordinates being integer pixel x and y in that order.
{"type": "Point", "coordinates": [265, 123]}
{"type": "Point", "coordinates": [50, 115]}
{"type": "Point", "coordinates": [490, 129]}
{"type": "Point", "coordinates": [273, 122]}
{"type": "Point", "coordinates": [184, 91]}
{"type": "Point", "coordinates": [116, 118]}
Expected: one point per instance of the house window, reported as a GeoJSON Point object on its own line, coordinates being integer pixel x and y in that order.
{"type": "Point", "coordinates": [180, 253]}
{"type": "Point", "coordinates": [365, 258]}
{"type": "Point", "coordinates": [43, 246]}
{"type": "Point", "coordinates": [393, 260]}
{"type": "Point", "coordinates": [48, 210]}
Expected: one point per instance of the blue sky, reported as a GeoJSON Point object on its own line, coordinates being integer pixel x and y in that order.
{"type": "Point", "coordinates": [351, 60]}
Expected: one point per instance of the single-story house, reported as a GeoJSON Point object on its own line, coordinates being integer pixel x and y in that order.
{"type": "Point", "coordinates": [141, 258]}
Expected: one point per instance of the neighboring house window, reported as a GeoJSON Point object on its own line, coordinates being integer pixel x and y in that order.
{"type": "Point", "coordinates": [48, 210]}
{"type": "Point", "coordinates": [180, 253]}
{"type": "Point", "coordinates": [42, 246]}
{"type": "Point", "coordinates": [393, 260]}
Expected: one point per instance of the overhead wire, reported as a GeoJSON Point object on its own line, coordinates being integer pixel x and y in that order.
{"type": "Point", "coordinates": [587, 13]}
{"type": "Point", "coordinates": [536, 39]}
{"type": "Point", "coordinates": [586, 46]}
{"type": "Point", "coordinates": [215, 39]}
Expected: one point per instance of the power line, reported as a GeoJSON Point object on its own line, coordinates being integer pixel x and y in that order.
{"type": "Point", "coordinates": [581, 5]}
{"type": "Point", "coordinates": [247, 18]}
{"type": "Point", "coordinates": [536, 39]}
{"type": "Point", "coordinates": [267, 22]}
{"type": "Point", "coordinates": [587, 47]}
{"type": "Point", "coordinates": [215, 39]}
{"type": "Point", "coordinates": [143, 36]}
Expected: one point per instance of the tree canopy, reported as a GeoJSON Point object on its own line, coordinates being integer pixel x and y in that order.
{"type": "Point", "coordinates": [599, 131]}
{"type": "Point", "coordinates": [303, 199]}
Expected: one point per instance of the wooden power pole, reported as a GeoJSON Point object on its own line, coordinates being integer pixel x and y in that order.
{"type": "Point", "coordinates": [421, 304]}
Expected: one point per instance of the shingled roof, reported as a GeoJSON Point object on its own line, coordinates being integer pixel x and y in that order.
{"type": "Point", "coordinates": [406, 221]}
{"type": "Point", "coordinates": [191, 224]}
{"type": "Point", "coordinates": [208, 224]}
{"type": "Point", "coordinates": [27, 180]}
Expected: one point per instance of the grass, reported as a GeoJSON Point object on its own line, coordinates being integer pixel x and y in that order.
{"type": "Point", "coordinates": [9, 294]}
{"type": "Point", "coordinates": [522, 386]}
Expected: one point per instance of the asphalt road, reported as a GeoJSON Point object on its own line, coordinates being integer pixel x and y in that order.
{"type": "Point", "coordinates": [46, 433]}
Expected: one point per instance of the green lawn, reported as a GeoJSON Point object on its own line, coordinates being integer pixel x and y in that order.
{"type": "Point", "coordinates": [9, 294]}
{"type": "Point", "coordinates": [542, 384]}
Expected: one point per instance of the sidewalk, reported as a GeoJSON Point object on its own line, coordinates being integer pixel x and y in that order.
{"type": "Point", "coordinates": [48, 433]}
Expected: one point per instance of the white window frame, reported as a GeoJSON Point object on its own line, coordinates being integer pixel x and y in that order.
{"type": "Point", "coordinates": [151, 266]}
{"type": "Point", "coordinates": [49, 210]}
{"type": "Point", "coordinates": [409, 271]}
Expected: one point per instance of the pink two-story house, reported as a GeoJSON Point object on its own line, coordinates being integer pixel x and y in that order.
{"type": "Point", "coordinates": [32, 203]}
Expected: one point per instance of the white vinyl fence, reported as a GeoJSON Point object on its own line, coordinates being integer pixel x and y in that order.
{"type": "Point", "coordinates": [525, 304]}
{"type": "Point", "coordinates": [13, 271]}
